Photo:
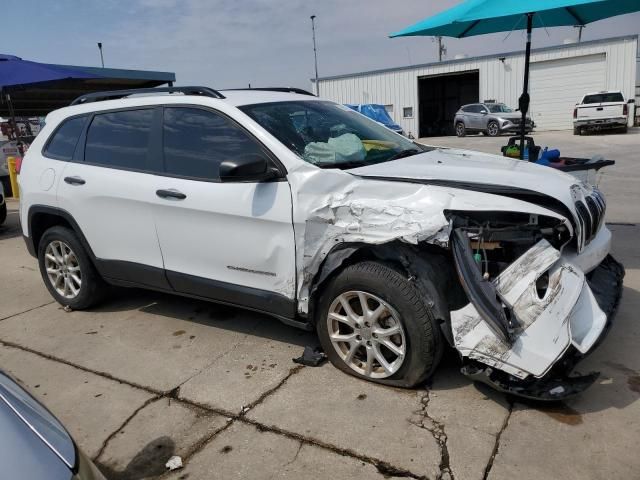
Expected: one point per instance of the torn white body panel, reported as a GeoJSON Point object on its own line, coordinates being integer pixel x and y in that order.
{"type": "Point", "coordinates": [333, 207]}
{"type": "Point", "coordinates": [567, 313]}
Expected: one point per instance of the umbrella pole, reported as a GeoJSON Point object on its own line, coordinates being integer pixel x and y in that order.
{"type": "Point", "coordinates": [524, 98]}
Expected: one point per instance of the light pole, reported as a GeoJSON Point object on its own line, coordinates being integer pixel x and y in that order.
{"type": "Point", "coordinates": [101, 57]}
{"type": "Point", "coordinates": [315, 52]}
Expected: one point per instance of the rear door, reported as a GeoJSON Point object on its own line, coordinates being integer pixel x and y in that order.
{"type": "Point", "coordinates": [473, 117]}
{"type": "Point", "coordinates": [231, 242]}
{"type": "Point", "coordinates": [108, 189]}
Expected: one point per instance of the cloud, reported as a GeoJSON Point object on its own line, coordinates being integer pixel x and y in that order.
{"type": "Point", "coordinates": [227, 43]}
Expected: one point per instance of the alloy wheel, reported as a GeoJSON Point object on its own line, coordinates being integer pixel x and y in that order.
{"type": "Point", "coordinates": [493, 129]}
{"type": "Point", "coordinates": [367, 334]}
{"type": "Point", "coordinates": [63, 269]}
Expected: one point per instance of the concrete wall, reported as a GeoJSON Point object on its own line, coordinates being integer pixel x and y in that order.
{"type": "Point", "coordinates": [499, 80]}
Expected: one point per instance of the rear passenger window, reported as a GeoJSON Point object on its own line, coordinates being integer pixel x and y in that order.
{"type": "Point", "coordinates": [196, 141]}
{"type": "Point", "coordinates": [64, 140]}
{"type": "Point", "coordinates": [120, 139]}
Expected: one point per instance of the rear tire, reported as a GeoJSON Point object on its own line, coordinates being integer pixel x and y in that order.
{"type": "Point", "coordinates": [461, 131]}
{"type": "Point", "coordinates": [67, 270]}
{"type": "Point", "coordinates": [404, 311]}
{"type": "Point", "coordinates": [624, 129]}
{"type": "Point", "coordinates": [577, 131]}
{"type": "Point", "coordinates": [3, 213]}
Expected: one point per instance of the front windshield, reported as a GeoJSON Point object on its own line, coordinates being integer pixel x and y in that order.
{"type": "Point", "coordinates": [330, 135]}
{"type": "Point", "coordinates": [499, 108]}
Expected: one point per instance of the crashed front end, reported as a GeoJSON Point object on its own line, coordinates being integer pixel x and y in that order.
{"type": "Point", "coordinates": [536, 288]}
{"type": "Point", "coordinates": [542, 295]}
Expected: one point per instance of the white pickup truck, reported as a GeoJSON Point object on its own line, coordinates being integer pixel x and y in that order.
{"type": "Point", "coordinates": [601, 110]}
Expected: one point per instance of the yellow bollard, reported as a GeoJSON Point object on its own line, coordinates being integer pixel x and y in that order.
{"type": "Point", "coordinates": [13, 176]}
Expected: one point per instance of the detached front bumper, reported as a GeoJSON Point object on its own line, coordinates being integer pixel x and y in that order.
{"type": "Point", "coordinates": [558, 384]}
{"type": "Point", "coordinates": [531, 353]}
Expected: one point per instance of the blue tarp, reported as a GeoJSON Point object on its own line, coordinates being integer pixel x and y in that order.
{"type": "Point", "coordinates": [376, 112]}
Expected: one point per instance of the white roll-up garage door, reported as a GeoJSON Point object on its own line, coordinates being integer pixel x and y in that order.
{"type": "Point", "coordinates": [557, 85]}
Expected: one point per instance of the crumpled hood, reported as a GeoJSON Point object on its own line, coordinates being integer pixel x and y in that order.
{"type": "Point", "coordinates": [464, 167]}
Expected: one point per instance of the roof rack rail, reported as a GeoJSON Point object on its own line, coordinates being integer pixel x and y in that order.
{"type": "Point", "coordinates": [276, 89]}
{"type": "Point", "coordinates": [115, 94]}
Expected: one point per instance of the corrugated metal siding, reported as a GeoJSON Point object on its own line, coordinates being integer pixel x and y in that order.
{"type": "Point", "coordinates": [501, 81]}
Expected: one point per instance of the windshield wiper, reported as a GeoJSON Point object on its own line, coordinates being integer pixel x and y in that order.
{"type": "Point", "coordinates": [405, 153]}
{"type": "Point", "coordinates": [342, 165]}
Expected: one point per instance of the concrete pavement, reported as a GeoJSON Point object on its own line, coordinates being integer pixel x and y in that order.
{"type": "Point", "coordinates": [147, 376]}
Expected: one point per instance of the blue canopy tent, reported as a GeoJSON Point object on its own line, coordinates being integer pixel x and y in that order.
{"type": "Point", "coordinates": [34, 89]}
{"type": "Point", "coordinates": [479, 17]}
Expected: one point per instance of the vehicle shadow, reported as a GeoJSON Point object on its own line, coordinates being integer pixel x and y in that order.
{"type": "Point", "coordinates": [205, 313]}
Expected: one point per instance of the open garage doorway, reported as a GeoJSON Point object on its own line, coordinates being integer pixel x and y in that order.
{"type": "Point", "coordinates": [440, 97]}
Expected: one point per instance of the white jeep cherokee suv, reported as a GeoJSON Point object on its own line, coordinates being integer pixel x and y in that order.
{"type": "Point", "coordinates": [294, 206]}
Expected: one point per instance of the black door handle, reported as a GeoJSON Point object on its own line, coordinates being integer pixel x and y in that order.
{"type": "Point", "coordinates": [74, 180]}
{"type": "Point", "coordinates": [171, 194]}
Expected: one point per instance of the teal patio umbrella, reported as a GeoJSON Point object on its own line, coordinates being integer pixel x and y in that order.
{"type": "Point", "coordinates": [479, 17]}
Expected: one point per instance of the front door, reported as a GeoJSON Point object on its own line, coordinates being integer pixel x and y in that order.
{"type": "Point", "coordinates": [230, 241]}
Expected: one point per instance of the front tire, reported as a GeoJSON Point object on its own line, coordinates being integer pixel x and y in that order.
{"type": "Point", "coordinates": [374, 324]}
{"type": "Point", "coordinates": [461, 131]}
{"type": "Point", "coordinates": [493, 129]}
{"type": "Point", "coordinates": [67, 270]}
{"type": "Point", "coordinates": [3, 213]}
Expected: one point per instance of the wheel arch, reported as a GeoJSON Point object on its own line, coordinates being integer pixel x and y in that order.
{"type": "Point", "coordinates": [430, 268]}
{"type": "Point", "coordinates": [42, 217]}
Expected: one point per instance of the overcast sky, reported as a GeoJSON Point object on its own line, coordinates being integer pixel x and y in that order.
{"type": "Point", "coordinates": [227, 43]}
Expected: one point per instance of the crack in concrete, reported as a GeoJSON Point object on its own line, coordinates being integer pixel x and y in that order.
{"type": "Point", "coordinates": [220, 356]}
{"type": "Point", "coordinates": [26, 311]}
{"type": "Point", "coordinates": [436, 429]}
{"type": "Point", "coordinates": [496, 445]}
{"type": "Point", "coordinates": [17, 346]}
{"type": "Point", "coordinates": [385, 468]}
{"type": "Point", "coordinates": [103, 447]}
{"type": "Point", "coordinates": [247, 408]}
{"type": "Point", "coordinates": [382, 466]}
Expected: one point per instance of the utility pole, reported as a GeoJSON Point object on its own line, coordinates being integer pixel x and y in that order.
{"type": "Point", "coordinates": [442, 50]}
{"type": "Point", "coordinates": [101, 57]}
{"type": "Point", "coordinates": [579, 27]}
{"type": "Point", "coordinates": [315, 52]}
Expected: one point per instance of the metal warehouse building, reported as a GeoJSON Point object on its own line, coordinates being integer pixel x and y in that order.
{"type": "Point", "coordinates": [424, 98]}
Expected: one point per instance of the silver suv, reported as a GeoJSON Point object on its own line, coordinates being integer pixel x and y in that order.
{"type": "Point", "coordinates": [489, 118]}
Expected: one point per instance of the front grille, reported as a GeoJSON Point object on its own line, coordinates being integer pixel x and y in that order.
{"type": "Point", "coordinates": [590, 215]}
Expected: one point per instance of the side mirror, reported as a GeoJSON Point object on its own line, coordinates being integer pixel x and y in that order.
{"type": "Point", "coordinates": [247, 168]}
{"type": "Point", "coordinates": [632, 100]}
{"type": "Point", "coordinates": [484, 112]}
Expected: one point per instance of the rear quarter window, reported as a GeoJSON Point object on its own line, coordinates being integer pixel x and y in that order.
{"type": "Point", "coordinates": [63, 142]}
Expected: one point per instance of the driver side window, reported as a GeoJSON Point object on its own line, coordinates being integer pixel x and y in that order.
{"type": "Point", "coordinates": [195, 142]}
